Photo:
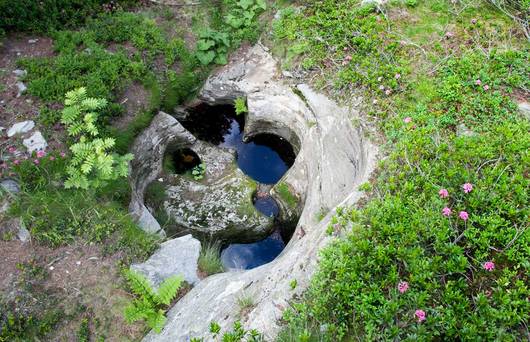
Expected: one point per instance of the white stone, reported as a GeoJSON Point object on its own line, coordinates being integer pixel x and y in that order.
{"type": "Point", "coordinates": [524, 108]}
{"type": "Point", "coordinates": [21, 88]}
{"type": "Point", "coordinates": [35, 142]}
{"type": "Point", "coordinates": [177, 257]}
{"type": "Point", "coordinates": [20, 73]}
{"type": "Point", "coordinates": [21, 127]}
{"type": "Point", "coordinates": [33, 41]}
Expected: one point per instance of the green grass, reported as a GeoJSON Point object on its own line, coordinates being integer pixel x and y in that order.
{"type": "Point", "coordinates": [286, 195]}
{"type": "Point", "coordinates": [400, 234]}
{"type": "Point", "coordinates": [210, 259]}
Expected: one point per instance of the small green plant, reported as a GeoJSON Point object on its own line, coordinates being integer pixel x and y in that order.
{"type": "Point", "coordinates": [237, 334]}
{"type": "Point", "coordinates": [91, 165]}
{"type": "Point", "coordinates": [149, 305]}
{"type": "Point", "coordinates": [210, 260]}
{"type": "Point", "coordinates": [244, 14]}
{"type": "Point", "coordinates": [245, 302]}
{"type": "Point", "coordinates": [213, 46]}
{"type": "Point", "coordinates": [241, 105]}
{"type": "Point", "coordinates": [293, 284]}
{"type": "Point", "coordinates": [199, 171]}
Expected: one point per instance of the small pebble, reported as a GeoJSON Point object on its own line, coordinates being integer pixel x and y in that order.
{"type": "Point", "coordinates": [52, 268]}
{"type": "Point", "coordinates": [78, 263]}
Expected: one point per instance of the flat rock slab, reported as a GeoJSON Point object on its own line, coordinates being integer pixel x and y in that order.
{"type": "Point", "coordinates": [20, 128]}
{"type": "Point", "coordinates": [174, 257]}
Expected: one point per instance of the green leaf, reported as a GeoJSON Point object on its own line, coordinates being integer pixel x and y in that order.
{"type": "Point", "coordinates": [205, 57]}
{"type": "Point", "coordinates": [168, 289]}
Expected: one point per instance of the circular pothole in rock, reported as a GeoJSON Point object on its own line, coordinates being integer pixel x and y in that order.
{"type": "Point", "coordinates": [265, 204]}
{"type": "Point", "coordinates": [246, 256]}
{"type": "Point", "coordinates": [184, 160]}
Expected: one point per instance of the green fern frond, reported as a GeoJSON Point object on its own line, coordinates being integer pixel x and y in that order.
{"type": "Point", "coordinates": [139, 284]}
{"type": "Point", "coordinates": [168, 290]}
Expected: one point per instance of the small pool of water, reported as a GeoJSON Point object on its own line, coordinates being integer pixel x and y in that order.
{"type": "Point", "coordinates": [266, 205]}
{"type": "Point", "coordinates": [264, 158]}
{"type": "Point", "coordinates": [245, 256]}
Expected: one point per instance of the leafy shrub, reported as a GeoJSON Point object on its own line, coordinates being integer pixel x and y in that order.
{"type": "Point", "coordinates": [48, 15]}
{"type": "Point", "coordinates": [148, 304]}
{"type": "Point", "coordinates": [420, 263]}
{"type": "Point", "coordinates": [213, 46]}
{"type": "Point", "coordinates": [91, 165]}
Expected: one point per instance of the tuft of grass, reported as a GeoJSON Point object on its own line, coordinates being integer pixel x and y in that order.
{"type": "Point", "coordinates": [210, 259]}
{"type": "Point", "coordinates": [287, 196]}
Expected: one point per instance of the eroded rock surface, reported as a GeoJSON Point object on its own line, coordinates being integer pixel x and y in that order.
{"type": "Point", "coordinates": [219, 207]}
{"type": "Point", "coordinates": [333, 160]}
{"type": "Point", "coordinates": [149, 149]}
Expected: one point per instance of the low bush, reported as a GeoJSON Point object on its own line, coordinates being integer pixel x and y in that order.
{"type": "Point", "coordinates": [440, 250]}
{"type": "Point", "coordinates": [47, 15]}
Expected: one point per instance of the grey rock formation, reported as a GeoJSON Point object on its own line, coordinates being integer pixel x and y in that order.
{"type": "Point", "coordinates": [177, 257]}
{"type": "Point", "coordinates": [220, 206]}
{"type": "Point", "coordinates": [10, 185]}
{"type": "Point", "coordinates": [333, 159]}
{"type": "Point", "coordinates": [148, 150]}
{"type": "Point", "coordinates": [20, 128]}
{"type": "Point", "coordinates": [14, 229]}
{"type": "Point", "coordinates": [35, 143]}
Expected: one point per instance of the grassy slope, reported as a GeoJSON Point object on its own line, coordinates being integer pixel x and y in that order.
{"type": "Point", "coordinates": [420, 65]}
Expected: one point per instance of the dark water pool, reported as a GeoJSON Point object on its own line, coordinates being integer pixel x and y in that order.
{"type": "Point", "coordinates": [251, 255]}
{"type": "Point", "coordinates": [264, 158]}
{"type": "Point", "coordinates": [266, 205]}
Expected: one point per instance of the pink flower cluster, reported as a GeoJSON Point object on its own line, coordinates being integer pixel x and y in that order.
{"type": "Point", "coordinates": [446, 211]}
{"type": "Point", "coordinates": [403, 286]}
{"type": "Point", "coordinates": [488, 266]}
{"type": "Point", "coordinates": [420, 315]}
{"type": "Point", "coordinates": [478, 82]}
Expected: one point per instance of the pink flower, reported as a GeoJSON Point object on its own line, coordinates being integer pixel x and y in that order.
{"type": "Point", "coordinates": [420, 315]}
{"type": "Point", "coordinates": [63, 154]}
{"type": "Point", "coordinates": [488, 266]}
{"type": "Point", "coordinates": [473, 21]}
{"type": "Point", "coordinates": [348, 58]}
{"type": "Point", "coordinates": [36, 161]}
{"type": "Point", "coordinates": [446, 212]}
{"type": "Point", "coordinates": [12, 149]}
{"type": "Point", "coordinates": [408, 119]}
{"type": "Point", "coordinates": [463, 215]}
{"type": "Point", "coordinates": [3, 166]}
{"type": "Point", "coordinates": [16, 161]}
{"type": "Point", "coordinates": [388, 92]}
{"type": "Point", "coordinates": [443, 193]}
{"type": "Point", "coordinates": [486, 87]}
{"type": "Point", "coordinates": [467, 187]}
{"type": "Point", "coordinates": [478, 82]}
{"type": "Point", "coordinates": [403, 286]}
{"type": "Point", "coordinates": [397, 76]}
{"type": "Point", "coordinates": [40, 154]}
{"type": "Point", "coordinates": [52, 158]}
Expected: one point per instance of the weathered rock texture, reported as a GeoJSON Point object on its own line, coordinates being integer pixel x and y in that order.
{"type": "Point", "coordinates": [219, 207]}
{"type": "Point", "coordinates": [149, 149]}
{"type": "Point", "coordinates": [333, 160]}
{"type": "Point", "coordinates": [177, 257]}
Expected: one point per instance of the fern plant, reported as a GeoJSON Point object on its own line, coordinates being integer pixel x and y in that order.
{"type": "Point", "coordinates": [150, 305]}
{"type": "Point", "coordinates": [240, 105]}
{"type": "Point", "coordinates": [92, 164]}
